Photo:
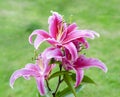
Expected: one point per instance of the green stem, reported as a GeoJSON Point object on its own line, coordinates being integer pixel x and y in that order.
{"type": "Point", "coordinates": [48, 85]}
{"type": "Point", "coordinates": [59, 82]}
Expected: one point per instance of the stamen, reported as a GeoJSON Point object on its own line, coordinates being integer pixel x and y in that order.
{"type": "Point", "coordinates": [60, 30]}
{"type": "Point", "coordinates": [40, 64]}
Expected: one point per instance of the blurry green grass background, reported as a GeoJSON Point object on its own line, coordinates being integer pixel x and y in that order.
{"type": "Point", "coordinates": [18, 18]}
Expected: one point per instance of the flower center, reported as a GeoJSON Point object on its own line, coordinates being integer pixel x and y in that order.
{"type": "Point", "coordinates": [40, 64]}
{"type": "Point", "coordinates": [60, 31]}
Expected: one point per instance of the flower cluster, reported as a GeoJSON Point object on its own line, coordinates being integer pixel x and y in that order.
{"type": "Point", "coordinates": [67, 43]}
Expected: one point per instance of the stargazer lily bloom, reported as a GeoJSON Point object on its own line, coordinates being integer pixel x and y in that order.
{"type": "Point", "coordinates": [40, 70]}
{"type": "Point", "coordinates": [62, 35]}
{"type": "Point", "coordinates": [82, 63]}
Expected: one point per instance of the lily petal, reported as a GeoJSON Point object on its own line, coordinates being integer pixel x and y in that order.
{"type": "Point", "coordinates": [79, 34]}
{"type": "Point", "coordinates": [52, 41]}
{"type": "Point", "coordinates": [32, 67]}
{"type": "Point", "coordinates": [52, 52]}
{"type": "Point", "coordinates": [66, 64]}
{"type": "Point", "coordinates": [40, 85]}
{"type": "Point", "coordinates": [83, 62]}
{"type": "Point", "coordinates": [54, 21]}
{"type": "Point", "coordinates": [72, 50]}
{"type": "Point", "coordinates": [21, 72]}
{"type": "Point", "coordinates": [41, 36]}
{"type": "Point", "coordinates": [48, 70]}
{"type": "Point", "coordinates": [84, 42]}
{"type": "Point", "coordinates": [79, 76]}
{"type": "Point", "coordinates": [71, 27]}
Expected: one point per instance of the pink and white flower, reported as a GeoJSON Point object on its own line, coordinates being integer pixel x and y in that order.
{"type": "Point", "coordinates": [40, 70]}
{"type": "Point", "coordinates": [62, 35]}
{"type": "Point", "coordinates": [67, 41]}
{"type": "Point", "coordinates": [82, 63]}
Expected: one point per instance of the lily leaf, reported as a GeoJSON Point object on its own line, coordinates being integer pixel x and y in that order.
{"type": "Point", "coordinates": [86, 79]}
{"type": "Point", "coordinates": [64, 93]}
{"type": "Point", "coordinates": [58, 74]}
{"type": "Point", "coordinates": [67, 92]}
{"type": "Point", "coordinates": [68, 81]}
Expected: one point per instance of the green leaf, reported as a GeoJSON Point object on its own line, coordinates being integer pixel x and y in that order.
{"type": "Point", "coordinates": [58, 74]}
{"type": "Point", "coordinates": [67, 92]}
{"type": "Point", "coordinates": [64, 92]}
{"type": "Point", "coordinates": [68, 81]}
{"type": "Point", "coordinates": [86, 79]}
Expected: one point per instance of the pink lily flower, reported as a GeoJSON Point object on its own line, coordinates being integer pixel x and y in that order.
{"type": "Point", "coordinates": [81, 43]}
{"type": "Point", "coordinates": [62, 35]}
{"type": "Point", "coordinates": [82, 63]}
{"type": "Point", "coordinates": [40, 70]}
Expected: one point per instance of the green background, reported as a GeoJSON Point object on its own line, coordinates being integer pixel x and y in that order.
{"type": "Point", "coordinates": [18, 18]}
